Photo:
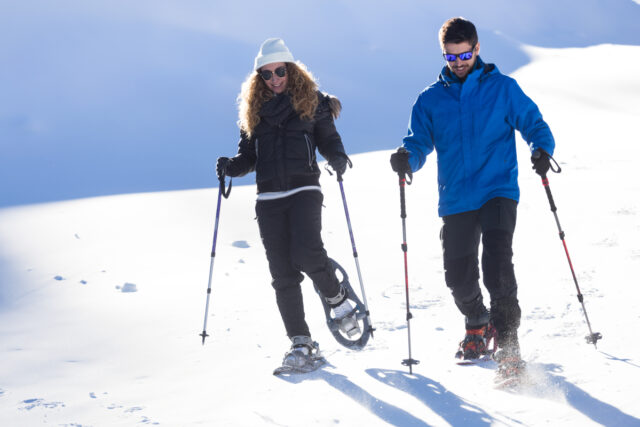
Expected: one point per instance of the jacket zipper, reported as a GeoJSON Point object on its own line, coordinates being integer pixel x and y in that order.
{"type": "Point", "coordinates": [256, 148]}
{"type": "Point", "coordinates": [306, 138]}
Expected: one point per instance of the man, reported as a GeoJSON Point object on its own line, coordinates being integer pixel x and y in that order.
{"type": "Point", "coordinates": [469, 116]}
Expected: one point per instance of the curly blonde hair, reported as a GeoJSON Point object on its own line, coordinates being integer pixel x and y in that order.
{"type": "Point", "coordinates": [301, 86]}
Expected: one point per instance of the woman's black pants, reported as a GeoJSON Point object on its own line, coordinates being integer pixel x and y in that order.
{"type": "Point", "coordinates": [290, 230]}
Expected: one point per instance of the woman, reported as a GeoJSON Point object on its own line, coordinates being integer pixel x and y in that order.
{"type": "Point", "coordinates": [283, 119]}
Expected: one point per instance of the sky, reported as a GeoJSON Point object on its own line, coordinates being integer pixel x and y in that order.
{"type": "Point", "coordinates": [109, 97]}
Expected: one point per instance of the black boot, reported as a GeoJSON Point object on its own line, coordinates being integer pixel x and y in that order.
{"type": "Point", "coordinates": [477, 342]}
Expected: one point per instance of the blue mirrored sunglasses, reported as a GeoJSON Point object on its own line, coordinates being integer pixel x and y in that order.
{"type": "Point", "coordinates": [267, 74]}
{"type": "Point", "coordinates": [464, 56]}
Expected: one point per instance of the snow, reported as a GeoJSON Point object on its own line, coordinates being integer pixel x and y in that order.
{"type": "Point", "coordinates": [102, 299]}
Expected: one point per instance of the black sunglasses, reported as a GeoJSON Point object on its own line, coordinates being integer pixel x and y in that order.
{"type": "Point", "coordinates": [267, 74]}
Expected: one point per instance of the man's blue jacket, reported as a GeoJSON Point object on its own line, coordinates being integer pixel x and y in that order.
{"type": "Point", "coordinates": [472, 127]}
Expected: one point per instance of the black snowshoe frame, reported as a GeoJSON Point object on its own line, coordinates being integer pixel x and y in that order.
{"type": "Point", "coordinates": [353, 343]}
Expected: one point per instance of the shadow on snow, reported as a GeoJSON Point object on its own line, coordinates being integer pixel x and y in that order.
{"type": "Point", "coordinates": [547, 384]}
{"type": "Point", "coordinates": [446, 404]}
{"type": "Point", "coordinates": [548, 379]}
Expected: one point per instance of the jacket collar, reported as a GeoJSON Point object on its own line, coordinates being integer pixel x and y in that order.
{"type": "Point", "coordinates": [479, 72]}
{"type": "Point", "coordinates": [276, 110]}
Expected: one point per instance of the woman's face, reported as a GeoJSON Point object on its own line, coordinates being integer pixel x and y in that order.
{"type": "Point", "coordinates": [277, 76]}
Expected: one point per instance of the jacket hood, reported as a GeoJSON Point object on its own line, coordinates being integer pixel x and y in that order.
{"type": "Point", "coordinates": [332, 103]}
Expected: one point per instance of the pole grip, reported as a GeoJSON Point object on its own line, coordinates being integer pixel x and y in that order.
{"type": "Point", "coordinates": [547, 189]}
{"type": "Point", "coordinates": [403, 209]}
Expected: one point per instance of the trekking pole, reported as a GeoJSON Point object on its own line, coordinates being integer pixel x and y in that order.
{"type": "Point", "coordinates": [221, 192]}
{"type": "Point", "coordinates": [403, 214]}
{"type": "Point", "coordinates": [593, 337]}
{"type": "Point", "coordinates": [355, 253]}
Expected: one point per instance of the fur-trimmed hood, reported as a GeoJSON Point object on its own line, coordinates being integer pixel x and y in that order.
{"type": "Point", "coordinates": [332, 102]}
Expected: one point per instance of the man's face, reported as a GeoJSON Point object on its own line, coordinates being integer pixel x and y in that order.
{"type": "Point", "coordinates": [460, 67]}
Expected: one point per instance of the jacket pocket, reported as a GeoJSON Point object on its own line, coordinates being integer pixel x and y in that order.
{"type": "Point", "coordinates": [299, 147]}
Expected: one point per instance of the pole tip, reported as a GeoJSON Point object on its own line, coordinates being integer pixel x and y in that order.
{"type": "Point", "coordinates": [204, 335]}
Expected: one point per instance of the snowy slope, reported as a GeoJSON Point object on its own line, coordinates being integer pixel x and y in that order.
{"type": "Point", "coordinates": [102, 300]}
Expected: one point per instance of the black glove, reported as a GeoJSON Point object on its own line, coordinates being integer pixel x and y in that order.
{"type": "Point", "coordinates": [400, 161]}
{"type": "Point", "coordinates": [221, 167]}
{"type": "Point", "coordinates": [541, 162]}
{"type": "Point", "coordinates": [339, 164]}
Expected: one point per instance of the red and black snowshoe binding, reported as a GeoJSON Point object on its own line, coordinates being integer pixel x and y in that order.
{"type": "Point", "coordinates": [478, 345]}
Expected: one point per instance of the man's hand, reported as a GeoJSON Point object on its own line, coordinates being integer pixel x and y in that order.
{"type": "Point", "coordinates": [541, 162]}
{"type": "Point", "coordinates": [400, 161]}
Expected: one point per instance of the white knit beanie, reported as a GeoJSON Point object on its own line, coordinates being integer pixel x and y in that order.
{"type": "Point", "coordinates": [272, 50]}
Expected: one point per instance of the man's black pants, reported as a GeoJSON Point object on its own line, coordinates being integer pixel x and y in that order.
{"type": "Point", "coordinates": [495, 223]}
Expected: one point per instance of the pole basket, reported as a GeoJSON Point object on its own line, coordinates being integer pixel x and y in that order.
{"type": "Point", "coordinates": [593, 338]}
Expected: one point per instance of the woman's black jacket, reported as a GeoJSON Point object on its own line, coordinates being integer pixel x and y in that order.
{"type": "Point", "coordinates": [282, 147]}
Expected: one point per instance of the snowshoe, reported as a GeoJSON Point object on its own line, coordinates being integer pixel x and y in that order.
{"type": "Point", "coordinates": [352, 329]}
{"type": "Point", "coordinates": [478, 345]}
{"type": "Point", "coordinates": [511, 371]}
{"type": "Point", "coordinates": [303, 357]}
{"type": "Point", "coordinates": [346, 317]}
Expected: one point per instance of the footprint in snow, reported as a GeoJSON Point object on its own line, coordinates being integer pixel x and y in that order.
{"type": "Point", "coordinates": [608, 242]}
{"type": "Point", "coordinates": [625, 211]}
{"type": "Point", "coordinates": [35, 403]}
{"type": "Point", "coordinates": [59, 278]}
{"type": "Point", "coordinates": [93, 394]}
{"type": "Point", "coordinates": [128, 287]}
{"type": "Point", "coordinates": [240, 244]}
{"type": "Point", "coordinates": [147, 420]}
